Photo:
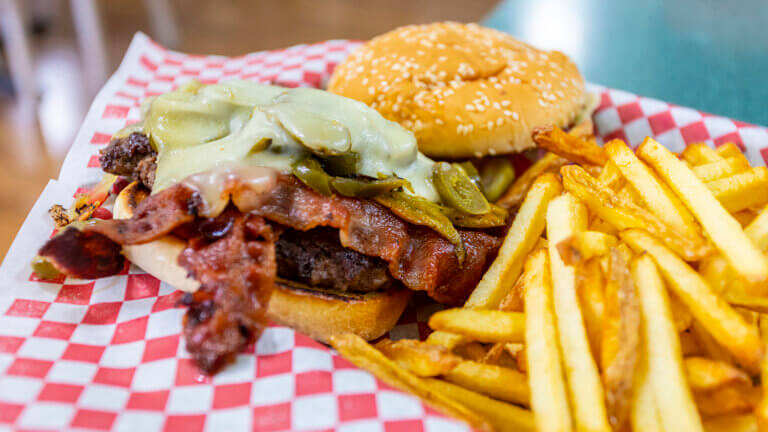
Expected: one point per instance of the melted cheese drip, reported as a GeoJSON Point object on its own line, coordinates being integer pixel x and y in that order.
{"type": "Point", "coordinates": [197, 128]}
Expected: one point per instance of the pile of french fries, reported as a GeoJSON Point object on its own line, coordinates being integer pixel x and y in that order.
{"type": "Point", "coordinates": [630, 293]}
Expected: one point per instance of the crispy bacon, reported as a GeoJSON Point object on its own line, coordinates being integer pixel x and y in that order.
{"type": "Point", "coordinates": [84, 254]}
{"type": "Point", "coordinates": [417, 256]}
{"type": "Point", "coordinates": [236, 269]}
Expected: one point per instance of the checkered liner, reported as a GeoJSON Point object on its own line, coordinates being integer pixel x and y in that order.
{"type": "Point", "coordinates": [107, 354]}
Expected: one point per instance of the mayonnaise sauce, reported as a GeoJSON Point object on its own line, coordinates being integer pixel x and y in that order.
{"type": "Point", "coordinates": [199, 127]}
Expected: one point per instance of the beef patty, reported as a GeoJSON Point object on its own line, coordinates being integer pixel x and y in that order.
{"type": "Point", "coordinates": [317, 258]}
{"type": "Point", "coordinates": [130, 156]}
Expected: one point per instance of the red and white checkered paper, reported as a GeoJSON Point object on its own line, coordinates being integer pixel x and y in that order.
{"type": "Point", "coordinates": [107, 354]}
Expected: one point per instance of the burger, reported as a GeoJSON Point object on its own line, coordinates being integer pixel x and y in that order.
{"type": "Point", "coordinates": [467, 92]}
{"type": "Point", "coordinates": [315, 210]}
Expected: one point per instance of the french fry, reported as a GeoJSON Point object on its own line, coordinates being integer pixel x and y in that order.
{"type": "Point", "coordinates": [571, 147]}
{"type": "Point", "coordinates": [656, 196]}
{"type": "Point", "coordinates": [681, 314]}
{"type": "Point", "coordinates": [610, 177]}
{"type": "Point", "coordinates": [746, 301]}
{"type": "Point", "coordinates": [517, 352]}
{"type": "Point", "coordinates": [724, 231]}
{"type": "Point", "coordinates": [446, 339]}
{"type": "Point", "coordinates": [761, 411]}
{"type": "Point", "coordinates": [516, 193]}
{"type": "Point", "coordinates": [584, 130]}
{"type": "Point", "coordinates": [722, 168]}
{"type": "Point", "coordinates": [491, 380]}
{"type": "Point", "coordinates": [620, 342]}
{"type": "Point", "coordinates": [502, 416]}
{"type": "Point", "coordinates": [706, 374]}
{"type": "Point", "coordinates": [731, 423]}
{"type": "Point", "coordinates": [729, 149]}
{"type": "Point", "coordinates": [584, 245]}
{"type": "Point", "coordinates": [480, 325]}
{"type": "Point", "coordinates": [674, 401]}
{"type": "Point", "coordinates": [757, 230]}
{"type": "Point", "coordinates": [566, 216]}
{"type": "Point", "coordinates": [420, 358]}
{"type": "Point", "coordinates": [624, 215]}
{"type": "Point", "coordinates": [729, 400]}
{"type": "Point", "coordinates": [644, 415]}
{"type": "Point", "coordinates": [742, 190]}
{"type": "Point", "coordinates": [471, 351]}
{"type": "Point", "coordinates": [364, 356]}
{"type": "Point", "coordinates": [590, 286]}
{"type": "Point", "coordinates": [520, 240]}
{"type": "Point", "coordinates": [700, 154]}
{"type": "Point", "coordinates": [716, 271]}
{"type": "Point", "coordinates": [513, 301]}
{"type": "Point", "coordinates": [709, 346]}
{"type": "Point", "coordinates": [546, 379]}
{"type": "Point", "coordinates": [725, 325]}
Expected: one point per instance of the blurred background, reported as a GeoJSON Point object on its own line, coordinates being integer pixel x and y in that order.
{"type": "Point", "coordinates": [55, 55]}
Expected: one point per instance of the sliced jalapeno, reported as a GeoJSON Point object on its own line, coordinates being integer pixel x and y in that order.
{"type": "Point", "coordinates": [495, 218]}
{"type": "Point", "coordinates": [420, 211]}
{"type": "Point", "coordinates": [309, 171]}
{"type": "Point", "coordinates": [496, 174]}
{"type": "Point", "coordinates": [44, 268]}
{"type": "Point", "coordinates": [344, 165]}
{"type": "Point", "coordinates": [362, 188]}
{"type": "Point", "coordinates": [457, 190]}
{"type": "Point", "coordinates": [471, 171]}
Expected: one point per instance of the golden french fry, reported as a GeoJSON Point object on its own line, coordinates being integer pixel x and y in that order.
{"type": "Point", "coordinates": [672, 394]}
{"type": "Point", "coordinates": [729, 149]}
{"type": "Point", "coordinates": [420, 358]}
{"type": "Point", "coordinates": [724, 231]}
{"type": "Point", "coordinates": [757, 230]}
{"type": "Point", "coordinates": [571, 147]}
{"type": "Point", "coordinates": [546, 379]}
{"type": "Point", "coordinates": [743, 190]}
{"type": "Point", "coordinates": [719, 319]}
{"type": "Point", "coordinates": [706, 374]}
{"type": "Point", "coordinates": [566, 216]}
{"type": "Point", "coordinates": [502, 416]}
{"type": "Point", "coordinates": [446, 339]}
{"type": "Point", "coordinates": [709, 346]}
{"type": "Point", "coordinates": [681, 314]}
{"type": "Point", "coordinates": [620, 342]}
{"type": "Point", "coordinates": [761, 411]}
{"type": "Point", "coordinates": [732, 423]}
{"type": "Point", "coordinates": [610, 177]}
{"type": "Point", "coordinates": [729, 400]}
{"type": "Point", "coordinates": [584, 245]}
{"type": "Point", "coordinates": [722, 168]}
{"type": "Point", "coordinates": [656, 196]}
{"type": "Point", "coordinates": [624, 215]}
{"type": "Point", "coordinates": [520, 240]}
{"type": "Point", "coordinates": [584, 130]}
{"type": "Point", "coordinates": [747, 301]}
{"type": "Point", "coordinates": [590, 287]}
{"type": "Point", "coordinates": [472, 351]}
{"type": "Point", "coordinates": [491, 380]}
{"type": "Point", "coordinates": [513, 301]}
{"type": "Point", "coordinates": [516, 193]}
{"type": "Point", "coordinates": [644, 415]}
{"type": "Point", "coordinates": [480, 325]}
{"type": "Point", "coordinates": [716, 271]}
{"type": "Point", "coordinates": [699, 154]}
{"type": "Point", "coordinates": [517, 352]}
{"type": "Point", "coordinates": [364, 356]}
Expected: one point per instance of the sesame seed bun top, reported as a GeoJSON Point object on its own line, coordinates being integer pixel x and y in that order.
{"type": "Point", "coordinates": [464, 90]}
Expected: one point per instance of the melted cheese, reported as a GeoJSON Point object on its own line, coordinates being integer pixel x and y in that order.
{"type": "Point", "coordinates": [197, 128]}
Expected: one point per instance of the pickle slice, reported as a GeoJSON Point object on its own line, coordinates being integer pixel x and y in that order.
{"type": "Point", "coordinates": [361, 188]}
{"type": "Point", "coordinates": [458, 191]}
{"type": "Point", "coordinates": [309, 171]}
{"type": "Point", "coordinates": [496, 174]}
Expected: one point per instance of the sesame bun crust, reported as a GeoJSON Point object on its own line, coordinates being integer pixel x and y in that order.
{"type": "Point", "coordinates": [317, 313]}
{"type": "Point", "coordinates": [462, 89]}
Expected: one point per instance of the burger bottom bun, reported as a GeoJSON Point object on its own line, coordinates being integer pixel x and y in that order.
{"type": "Point", "coordinates": [317, 313]}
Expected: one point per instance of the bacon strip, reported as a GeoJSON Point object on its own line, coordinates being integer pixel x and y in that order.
{"type": "Point", "coordinates": [237, 276]}
{"type": "Point", "coordinates": [417, 256]}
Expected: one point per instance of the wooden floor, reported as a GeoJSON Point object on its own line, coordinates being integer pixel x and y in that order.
{"type": "Point", "coordinates": [34, 141]}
